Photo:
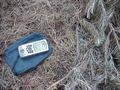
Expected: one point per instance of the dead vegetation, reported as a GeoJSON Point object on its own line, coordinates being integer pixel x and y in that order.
{"type": "Point", "coordinates": [85, 37]}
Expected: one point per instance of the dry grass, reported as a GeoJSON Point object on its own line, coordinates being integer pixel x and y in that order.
{"type": "Point", "coordinates": [85, 37]}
